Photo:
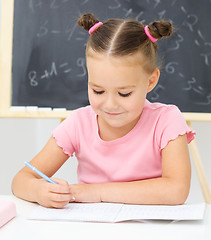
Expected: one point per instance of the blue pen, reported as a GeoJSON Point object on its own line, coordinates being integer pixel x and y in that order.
{"type": "Point", "coordinates": [39, 173]}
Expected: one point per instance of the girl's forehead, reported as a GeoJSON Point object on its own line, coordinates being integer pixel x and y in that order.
{"type": "Point", "coordinates": [114, 72]}
{"type": "Point", "coordinates": [129, 63]}
{"type": "Point", "coordinates": [119, 67]}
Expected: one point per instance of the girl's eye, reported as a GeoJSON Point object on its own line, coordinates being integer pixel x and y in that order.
{"type": "Point", "coordinates": [125, 94]}
{"type": "Point", "coordinates": [98, 92]}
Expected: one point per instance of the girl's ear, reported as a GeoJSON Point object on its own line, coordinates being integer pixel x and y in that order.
{"type": "Point", "coordinates": [153, 79]}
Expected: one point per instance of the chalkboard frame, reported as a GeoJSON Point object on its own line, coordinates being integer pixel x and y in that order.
{"type": "Point", "coordinates": [6, 46]}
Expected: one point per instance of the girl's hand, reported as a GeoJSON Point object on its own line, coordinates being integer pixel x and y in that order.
{"type": "Point", "coordinates": [53, 195]}
{"type": "Point", "coordinates": [85, 192]}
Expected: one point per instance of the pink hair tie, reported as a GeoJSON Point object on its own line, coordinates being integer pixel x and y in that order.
{"type": "Point", "coordinates": [149, 35]}
{"type": "Point", "coordinates": [94, 27]}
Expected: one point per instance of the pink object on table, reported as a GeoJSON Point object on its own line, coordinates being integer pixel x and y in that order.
{"type": "Point", "coordinates": [7, 212]}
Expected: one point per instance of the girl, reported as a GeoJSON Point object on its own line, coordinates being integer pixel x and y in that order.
{"type": "Point", "coordinates": [128, 149]}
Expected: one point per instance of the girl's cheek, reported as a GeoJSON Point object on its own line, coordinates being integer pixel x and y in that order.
{"type": "Point", "coordinates": [94, 101]}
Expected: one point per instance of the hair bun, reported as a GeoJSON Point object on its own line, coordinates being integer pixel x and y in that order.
{"type": "Point", "coordinates": [160, 29]}
{"type": "Point", "coordinates": [87, 21]}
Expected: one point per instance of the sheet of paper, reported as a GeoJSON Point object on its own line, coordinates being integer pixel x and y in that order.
{"type": "Point", "coordinates": [113, 212]}
{"type": "Point", "coordinates": [95, 212]}
{"type": "Point", "coordinates": [161, 212]}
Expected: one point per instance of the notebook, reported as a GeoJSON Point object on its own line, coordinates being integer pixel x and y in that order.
{"type": "Point", "coordinates": [7, 212]}
{"type": "Point", "coordinates": [114, 212]}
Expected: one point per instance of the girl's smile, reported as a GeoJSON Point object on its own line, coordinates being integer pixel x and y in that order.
{"type": "Point", "coordinates": [113, 114]}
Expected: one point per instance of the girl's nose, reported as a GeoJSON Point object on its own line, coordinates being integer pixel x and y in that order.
{"type": "Point", "coordinates": [110, 102]}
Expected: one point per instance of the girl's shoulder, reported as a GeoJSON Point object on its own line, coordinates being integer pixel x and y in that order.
{"type": "Point", "coordinates": [168, 122]}
{"type": "Point", "coordinates": [83, 117]}
{"type": "Point", "coordinates": [159, 112]}
{"type": "Point", "coordinates": [159, 107]}
{"type": "Point", "coordinates": [82, 112]}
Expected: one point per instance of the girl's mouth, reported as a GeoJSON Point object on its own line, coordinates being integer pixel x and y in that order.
{"type": "Point", "coordinates": [112, 114]}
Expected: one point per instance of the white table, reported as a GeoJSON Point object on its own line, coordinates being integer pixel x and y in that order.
{"type": "Point", "coordinates": [21, 228]}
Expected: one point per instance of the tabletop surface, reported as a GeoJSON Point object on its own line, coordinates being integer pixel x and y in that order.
{"type": "Point", "coordinates": [22, 228]}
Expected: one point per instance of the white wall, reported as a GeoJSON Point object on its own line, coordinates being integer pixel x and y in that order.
{"type": "Point", "coordinates": [21, 139]}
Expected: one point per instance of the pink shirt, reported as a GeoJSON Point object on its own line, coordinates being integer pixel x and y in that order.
{"type": "Point", "coordinates": [135, 156]}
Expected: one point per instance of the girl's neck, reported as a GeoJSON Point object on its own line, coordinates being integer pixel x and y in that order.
{"type": "Point", "coordinates": [109, 133]}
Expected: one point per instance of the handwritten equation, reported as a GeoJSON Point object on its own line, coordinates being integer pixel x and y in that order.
{"type": "Point", "coordinates": [55, 70]}
{"type": "Point", "coordinates": [185, 57]}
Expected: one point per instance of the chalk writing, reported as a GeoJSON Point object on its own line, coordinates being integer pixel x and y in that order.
{"type": "Point", "coordinates": [43, 29]}
{"type": "Point", "coordinates": [70, 31]}
{"type": "Point", "coordinates": [207, 102]}
{"type": "Point", "coordinates": [206, 57]}
{"type": "Point", "coordinates": [155, 2]}
{"type": "Point", "coordinates": [84, 2]}
{"type": "Point", "coordinates": [139, 16]}
{"type": "Point", "coordinates": [156, 95]}
{"type": "Point", "coordinates": [35, 4]}
{"type": "Point", "coordinates": [53, 4]}
{"type": "Point", "coordinates": [54, 71]}
{"type": "Point", "coordinates": [33, 78]}
{"type": "Point", "coordinates": [116, 5]}
{"type": "Point", "coordinates": [173, 2]}
{"type": "Point", "coordinates": [170, 67]}
{"type": "Point", "coordinates": [192, 85]}
{"type": "Point", "coordinates": [81, 63]}
{"type": "Point", "coordinates": [162, 14]}
{"type": "Point", "coordinates": [191, 19]}
{"type": "Point", "coordinates": [128, 12]}
{"type": "Point", "coordinates": [177, 43]}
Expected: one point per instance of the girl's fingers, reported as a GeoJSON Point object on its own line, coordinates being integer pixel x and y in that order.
{"type": "Point", "coordinates": [60, 197]}
{"type": "Point", "coordinates": [61, 187]}
{"type": "Point", "coordinates": [54, 195]}
{"type": "Point", "coordinates": [60, 181]}
{"type": "Point", "coordinates": [73, 199]}
{"type": "Point", "coordinates": [58, 188]}
{"type": "Point", "coordinates": [58, 204]}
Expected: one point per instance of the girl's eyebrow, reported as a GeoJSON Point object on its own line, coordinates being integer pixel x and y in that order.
{"type": "Point", "coordinates": [129, 86]}
{"type": "Point", "coordinates": [94, 85]}
{"type": "Point", "coordinates": [123, 87]}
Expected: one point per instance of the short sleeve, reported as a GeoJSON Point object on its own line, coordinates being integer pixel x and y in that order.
{"type": "Point", "coordinates": [172, 124]}
{"type": "Point", "coordinates": [64, 135]}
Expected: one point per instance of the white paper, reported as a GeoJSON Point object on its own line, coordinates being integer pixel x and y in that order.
{"type": "Point", "coordinates": [162, 212]}
{"type": "Point", "coordinates": [114, 212]}
{"type": "Point", "coordinates": [94, 212]}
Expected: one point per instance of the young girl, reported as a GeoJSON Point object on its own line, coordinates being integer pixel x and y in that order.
{"type": "Point", "coordinates": [128, 149]}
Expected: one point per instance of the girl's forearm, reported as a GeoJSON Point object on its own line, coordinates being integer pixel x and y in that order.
{"type": "Point", "coordinates": [24, 185]}
{"type": "Point", "coordinates": [151, 191]}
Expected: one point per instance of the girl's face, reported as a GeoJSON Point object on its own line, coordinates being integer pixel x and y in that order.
{"type": "Point", "coordinates": [117, 89]}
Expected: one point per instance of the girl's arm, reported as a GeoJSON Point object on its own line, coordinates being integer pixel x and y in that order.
{"type": "Point", "coordinates": [172, 188]}
{"type": "Point", "coordinates": [31, 187]}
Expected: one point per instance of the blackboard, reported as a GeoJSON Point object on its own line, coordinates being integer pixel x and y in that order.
{"type": "Point", "coordinates": [48, 64]}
